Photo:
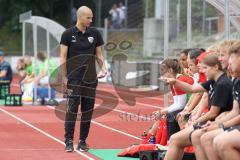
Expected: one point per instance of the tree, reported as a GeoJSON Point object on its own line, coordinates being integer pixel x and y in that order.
{"type": "Point", "coordinates": [10, 28]}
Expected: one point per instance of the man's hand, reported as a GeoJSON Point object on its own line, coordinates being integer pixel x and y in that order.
{"type": "Point", "coordinates": [102, 74]}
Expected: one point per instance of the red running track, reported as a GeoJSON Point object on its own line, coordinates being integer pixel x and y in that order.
{"type": "Point", "coordinates": [36, 132]}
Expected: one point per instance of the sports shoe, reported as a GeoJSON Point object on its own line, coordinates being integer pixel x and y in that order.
{"type": "Point", "coordinates": [82, 146]}
{"type": "Point", "coordinates": [69, 146]}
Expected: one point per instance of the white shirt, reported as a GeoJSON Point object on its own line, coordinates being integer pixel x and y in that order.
{"type": "Point", "coordinates": [122, 12]}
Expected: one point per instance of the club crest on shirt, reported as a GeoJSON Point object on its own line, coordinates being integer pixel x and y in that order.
{"type": "Point", "coordinates": [74, 39]}
{"type": "Point", "coordinates": [90, 39]}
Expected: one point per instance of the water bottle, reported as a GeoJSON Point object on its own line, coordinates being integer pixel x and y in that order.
{"type": "Point", "coordinates": [162, 155]}
{"type": "Point", "coordinates": [144, 138]}
{"type": "Point", "coordinates": [152, 140]}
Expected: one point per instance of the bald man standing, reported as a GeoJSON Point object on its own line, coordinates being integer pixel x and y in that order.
{"type": "Point", "coordinates": [80, 47]}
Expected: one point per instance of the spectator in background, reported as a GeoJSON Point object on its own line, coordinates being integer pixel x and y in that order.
{"type": "Point", "coordinates": [40, 76]}
{"type": "Point", "coordinates": [6, 73]}
{"type": "Point", "coordinates": [115, 16]}
{"type": "Point", "coordinates": [43, 73]}
{"type": "Point", "coordinates": [27, 81]}
{"type": "Point", "coordinates": [28, 71]}
{"type": "Point", "coordinates": [28, 63]}
{"type": "Point", "coordinates": [21, 68]}
{"type": "Point", "coordinates": [73, 16]}
{"type": "Point", "coordinates": [24, 68]}
{"type": "Point", "coordinates": [122, 14]}
{"type": "Point", "coordinates": [46, 65]}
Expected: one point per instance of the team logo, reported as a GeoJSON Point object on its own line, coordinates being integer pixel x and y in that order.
{"type": "Point", "coordinates": [90, 39]}
{"type": "Point", "coordinates": [74, 39]}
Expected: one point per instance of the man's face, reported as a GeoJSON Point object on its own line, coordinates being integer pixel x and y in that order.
{"type": "Point", "coordinates": [223, 57]}
{"type": "Point", "coordinates": [86, 18]}
{"type": "Point", "coordinates": [234, 65]}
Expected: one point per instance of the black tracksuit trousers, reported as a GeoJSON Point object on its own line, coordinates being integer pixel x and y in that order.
{"type": "Point", "coordinates": [79, 93]}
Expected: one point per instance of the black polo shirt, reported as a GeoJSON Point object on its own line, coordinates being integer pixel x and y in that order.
{"type": "Point", "coordinates": [220, 93]}
{"type": "Point", "coordinates": [81, 54]}
{"type": "Point", "coordinates": [236, 90]}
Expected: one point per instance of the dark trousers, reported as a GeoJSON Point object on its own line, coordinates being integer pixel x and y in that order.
{"type": "Point", "coordinates": [79, 93]}
{"type": "Point", "coordinates": [172, 124]}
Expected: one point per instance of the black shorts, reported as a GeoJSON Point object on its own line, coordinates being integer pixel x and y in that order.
{"type": "Point", "coordinates": [199, 125]}
{"type": "Point", "coordinates": [196, 127]}
{"type": "Point", "coordinates": [234, 127]}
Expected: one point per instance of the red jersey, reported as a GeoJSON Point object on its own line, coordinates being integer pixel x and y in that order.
{"type": "Point", "coordinates": [202, 78]}
{"type": "Point", "coordinates": [183, 78]}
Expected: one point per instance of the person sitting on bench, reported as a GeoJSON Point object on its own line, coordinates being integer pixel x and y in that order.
{"type": "Point", "coordinates": [6, 73]}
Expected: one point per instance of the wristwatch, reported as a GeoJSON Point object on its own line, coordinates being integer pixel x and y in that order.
{"type": "Point", "coordinates": [220, 125]}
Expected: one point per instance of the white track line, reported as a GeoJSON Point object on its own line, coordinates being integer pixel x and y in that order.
{"type": "Point", "coordinates": [116, 110]}
{"type": "Point", "coordinates": [143, 104]}
{"type": "Point", "coordinates": [133, 94]}
{"type": "Point", "coordinates": [129, 113]}
{"type": "Point", "coordinates": [41, 131]}
{"type": "Point", "coordinates": [28, 149]}
{"type": "Point", "coordinates": [116, 130]}
{"type": "Point", "coordinates": [104, 126]}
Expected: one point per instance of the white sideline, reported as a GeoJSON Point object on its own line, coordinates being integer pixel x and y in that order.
{"type": "Point", "coordinates": [104, 126]}
{"type": "Point", "coordinates": [133, 94]}
{"type": "Point", "coordinates": [41, 131]}
{"type": "Point", "coordinates": [143, 104]}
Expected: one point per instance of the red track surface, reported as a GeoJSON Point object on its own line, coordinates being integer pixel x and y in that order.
{"type": "Point", "coordinates": [36, 133]}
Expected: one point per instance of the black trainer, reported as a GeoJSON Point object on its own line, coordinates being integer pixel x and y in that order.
{"type": "Point", "coordinates": [69, 146]}
{"type": "Point", "coordinates": [82, 146]}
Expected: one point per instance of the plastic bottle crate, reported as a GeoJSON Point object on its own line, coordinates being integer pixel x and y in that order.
{"type": "Point", "coordinates": [13, 100]}
{"type": "Point", "coordinates": [4, 89]}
